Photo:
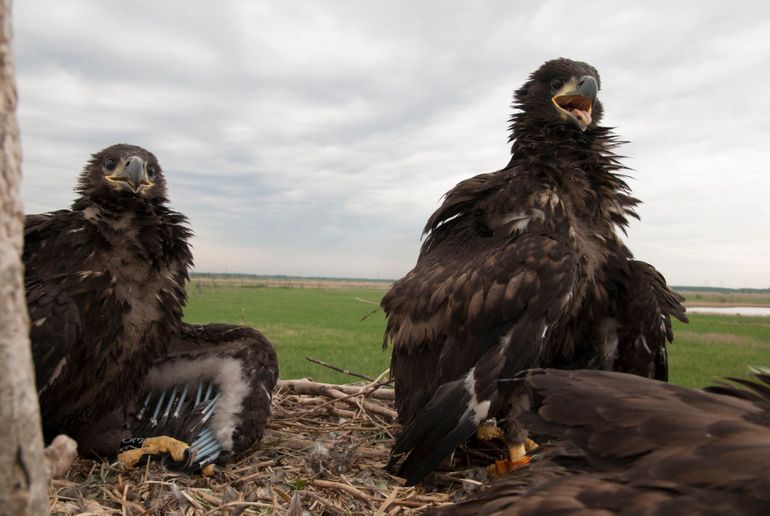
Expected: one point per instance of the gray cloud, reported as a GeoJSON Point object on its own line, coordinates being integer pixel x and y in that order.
{"type": "Point", "coordinates": [316, 138]}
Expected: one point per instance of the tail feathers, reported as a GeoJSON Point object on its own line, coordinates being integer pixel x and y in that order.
{"type": "Point", "coordinates": [204, 450]}
{"type": "Point", "coordinates": [450, 418]}
{"type": "Point", "coordinates": [183, 412]}
{"type": "Point", "coordinates": [180, 411]}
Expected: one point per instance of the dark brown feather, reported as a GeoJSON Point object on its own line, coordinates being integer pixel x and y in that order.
{"type": "Point", "coordinates": [631, 445]}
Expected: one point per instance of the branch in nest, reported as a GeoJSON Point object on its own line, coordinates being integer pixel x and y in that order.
{"type": "Point", "coordinates": [332, 391]}
{"type": "Point", "coordinates": [338, 369]}
{"type": "Point", "coordinates": [303, 386]}
{"type": "Point", "coordinates": [329, 484]}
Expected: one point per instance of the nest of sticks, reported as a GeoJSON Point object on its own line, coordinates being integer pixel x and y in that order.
{"type": "Point", "coordinates": [323, 453]}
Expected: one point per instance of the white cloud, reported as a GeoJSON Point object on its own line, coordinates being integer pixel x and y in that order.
{"type": "Point", "coordinates": [317, 138]}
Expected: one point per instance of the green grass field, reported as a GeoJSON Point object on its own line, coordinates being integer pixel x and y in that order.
{"type": "Point", "coordinates": [714, 346]}
{"type": "Point", "coordinates": [323, 323]}
{"type": "Point", "coordinates": [326, 324]}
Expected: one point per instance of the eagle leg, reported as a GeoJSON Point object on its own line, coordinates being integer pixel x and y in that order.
{"type": "Point", "coordinates": [517, 458]}
{"type": "Point", "coordinates": [517, 450]}
{"type": "Point", "coordinates": [530, 445]}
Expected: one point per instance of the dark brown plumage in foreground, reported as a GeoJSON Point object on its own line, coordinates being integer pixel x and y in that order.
{"type": "Point", "coordinates": [105, 286]}
{"type": "Point", "coordinates": [630, 445]}
{"type": "Point", "coordinates": [522, 268]}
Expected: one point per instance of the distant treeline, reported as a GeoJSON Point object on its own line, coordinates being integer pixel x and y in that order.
{"type": "Point", "coordinates": [722, 290]}
{"type": "Point", "coordinates": [281, 277]}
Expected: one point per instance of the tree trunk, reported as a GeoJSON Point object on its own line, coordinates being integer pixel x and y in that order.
{"type": "Point", "coordinates": [23, 480]}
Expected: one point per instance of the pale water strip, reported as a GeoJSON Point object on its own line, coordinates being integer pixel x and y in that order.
{"type": "Point", "coordinates": [730, 310]}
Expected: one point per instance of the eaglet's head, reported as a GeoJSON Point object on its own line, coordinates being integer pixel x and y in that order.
{"type": "Point", "coordinates": [123, 173]}
{"type": "Point", "coordinates": [561, 91]}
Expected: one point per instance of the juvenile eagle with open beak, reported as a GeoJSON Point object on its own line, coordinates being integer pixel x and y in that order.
{"type": "Point", "coordinates": [524, 267]}
{"type": "Point", "coordinates": [575, 98]}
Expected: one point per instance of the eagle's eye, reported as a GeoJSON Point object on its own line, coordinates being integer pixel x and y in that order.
{"type": "Point", "coordinates": [110, 164]}
{"type": "Point", "coordinates": [151, 172]}
{"type": "Point", "coordinates": [556, 84]}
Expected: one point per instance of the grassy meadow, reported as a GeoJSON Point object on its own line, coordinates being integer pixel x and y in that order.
{"type": "Point", "coordinates": [714, 346]}
{"type": "Point", "coordinates": [323, 319]}
{"type": "Point", "coordinates": [324, 323]}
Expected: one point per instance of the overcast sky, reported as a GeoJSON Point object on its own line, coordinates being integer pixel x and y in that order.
{"type": "Point", "coordinates": [315, 138]}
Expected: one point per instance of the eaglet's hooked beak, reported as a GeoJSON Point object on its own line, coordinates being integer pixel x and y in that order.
{"type": "Point", "coordinates": [132, 174]}
{"type": "Point", "coordinates": [575, 100]}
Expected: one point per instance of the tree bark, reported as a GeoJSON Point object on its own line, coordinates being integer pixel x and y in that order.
{"type": "Point", "coordinates": [23, 479]}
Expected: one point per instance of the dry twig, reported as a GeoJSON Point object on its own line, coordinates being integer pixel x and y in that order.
{"type": "Point", "coordinates": [338, 369]}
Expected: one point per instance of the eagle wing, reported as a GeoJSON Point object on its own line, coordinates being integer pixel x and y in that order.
{"type": "Point", "coordinates": [462, 322]}
{"type": "Point", "coordinates": [651, 430]}
{"type": "Point", "coordinates": [54, 318]}
{"type": "Point", "coordinates": [645, 322]}
{"type": "Point", "coordinates": [553, 491]}
{"type": "Point", "coordinates": [640, 444]}
{"type": "Point", "coordinates": [463, 275]}
{"type": "Point", "coordinates": [54, 242]}
{"type": "Point", "coordinates": [233, 368]}
{"type": "Point", "coordinates": [258, 369]}
{"type": "Point", "coordinates": [53, 232]}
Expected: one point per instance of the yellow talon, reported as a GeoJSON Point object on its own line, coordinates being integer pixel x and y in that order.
{"type": "Point", "coordinates": [496, 470]}
{"type": "Point", "coordinates": [530, 445]}
{"type": "Point", "coordinates": [131, 457]}
{"type": "Point", "coordinates": [154, 446]}
{"type": "Point", "coordinates": [208, 470]}
{"type": "Point", "coordinates": [501, 467]}
{"type": "Point", "coordinates": [489, 432]}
